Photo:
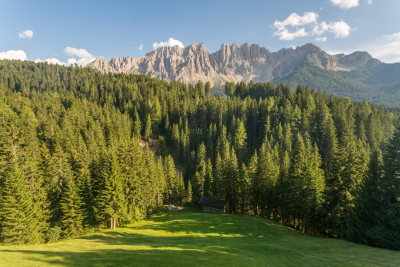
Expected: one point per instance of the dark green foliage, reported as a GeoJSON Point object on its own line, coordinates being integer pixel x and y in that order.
{"type": "Point", "coordinates": [71, 217]}
{"type": "Point", "coordinates": [17, 221]}
{"type": "Point", "coordinates": [348, 170]}
{"type": "Point", "coordinates": [299, 158]}
{"type": "Point", "coordinates": [22, 201]}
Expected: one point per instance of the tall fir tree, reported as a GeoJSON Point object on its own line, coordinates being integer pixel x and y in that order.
{"type": "Point", "coordinates": [18, 223]}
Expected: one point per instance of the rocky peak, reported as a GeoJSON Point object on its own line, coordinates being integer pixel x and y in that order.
{"type": "Point", "coordinates": [359, 59]}
{"type": "Point", "coordinates": [231, 63]}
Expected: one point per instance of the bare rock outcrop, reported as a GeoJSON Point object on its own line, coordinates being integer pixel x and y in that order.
{"type": "Point", "coordinates": [231, 63]}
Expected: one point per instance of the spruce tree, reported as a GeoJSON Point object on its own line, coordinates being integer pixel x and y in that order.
{"type": "Point", "coordinates": [189, 194]}
{"type": "Point", "coordinates": [368, 217]}
{"type": "Point", "coordinates": [71, 217]}
{"type": "Point", "coordinates": [137, 125]}
{"type": "Point", "coordinates": [110, 201]}
{"type": "Point", "coordinates": [209, 180]}
{"type": "Point", "coordinates": [18, 223]}
{"type": "Point", "coordinates": [208, 89]}
{"type": "Point", "coordinates": [171, 189]}
{"type": "Point", "coordinates": [147, 130]}
{"type": "Point", "coordinates": [348, 170]}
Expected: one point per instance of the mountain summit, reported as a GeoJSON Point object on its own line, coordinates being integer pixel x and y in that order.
{"type": "Point", "coordinates": [231, 63]}
{"type": "Point", "coordinates": [357, 75]}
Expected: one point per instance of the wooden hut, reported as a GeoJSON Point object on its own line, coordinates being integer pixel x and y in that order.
{"type": "Point", "coordinates": [212, 205]}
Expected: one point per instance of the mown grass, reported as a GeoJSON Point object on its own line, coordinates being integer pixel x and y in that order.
{"type": "Point", "coordinates": [190, 238]}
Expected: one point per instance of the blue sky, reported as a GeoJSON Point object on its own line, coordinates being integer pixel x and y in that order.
{"type": "Point", "coordinates": [78, 31]}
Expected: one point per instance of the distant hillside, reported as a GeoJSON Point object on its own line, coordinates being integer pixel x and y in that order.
{"type": "Point", "coordinates": [378, 85]}
{"type": "Point", "coordinates": [357, 75]}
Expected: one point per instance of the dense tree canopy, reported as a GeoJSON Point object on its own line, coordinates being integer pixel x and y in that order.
{"type": "Point", "coordinates": [82, 150]}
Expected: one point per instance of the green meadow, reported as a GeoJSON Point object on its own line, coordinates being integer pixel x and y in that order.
{"type": "Point", "coordinates": [190, 238]}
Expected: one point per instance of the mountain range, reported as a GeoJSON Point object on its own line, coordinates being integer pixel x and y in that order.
{"type": "Point", "coordinates": [357, 75]}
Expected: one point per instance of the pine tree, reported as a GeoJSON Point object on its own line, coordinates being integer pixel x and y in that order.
{"type": "Point", "coordinates": [18, 223]}
{"type": "Point", "coordinates": [268, 175]}
{"type": "Point", "coordinates": [209, 180]}
{"type": "Point", "coordinates": [137, 125]}
{"type": "Point", "coordinates": [244, 189]}
{"type": "Point", "coordinates": [201, 173]}
{"type": "Point", "coordinates": [110, 201]}
{"type": "Point", "coordinates": [368, 216]}
{"type": "Point", "coordinates": [147, 130]}
{"type": "Point", "coordinates": [71, 218]}
{"type": "Point", "coordinates": [230, 89]}
{"type": "Point", "coordinates": [252, 171]}
{"type": "Point", "coordinates": [349, 167]}
{"type": "Point", "coordinates": [198, 184]}
{"type": "Point", "coordinates": [208, 89]}
{"type": "Point", "coordinates": [231, 181]}
{"type": "Point", "coordinates": [239, 141]}
{"type": "Point", "coordinates": [171, 180]}
{"type": "Point", "coordinates": [219, 191]}
{"type": "Point", "coordinates": [189, 194]}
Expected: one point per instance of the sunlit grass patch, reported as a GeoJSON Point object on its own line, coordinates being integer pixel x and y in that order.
{"type": "Point", "coordinates": [198, 239]}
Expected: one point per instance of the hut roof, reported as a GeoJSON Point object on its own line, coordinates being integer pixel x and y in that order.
{"type": "Point", "coordinates": [212, 202]}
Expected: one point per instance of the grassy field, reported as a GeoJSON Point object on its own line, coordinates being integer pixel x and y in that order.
{"type": "Point", "coordinates": [190, 238]}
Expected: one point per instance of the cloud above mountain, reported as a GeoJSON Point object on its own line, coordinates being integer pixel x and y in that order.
{"type": "Point", "coordinates": [78, 56]}
{"type": "Point", "coordinates": [171, 42]}
{"type": "Point", "coordinates": [295, 26]}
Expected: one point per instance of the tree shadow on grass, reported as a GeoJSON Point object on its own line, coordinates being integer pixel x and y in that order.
{"type": "Point", "coordinates": [112, 257]}
{"type": "Point", "coordinates": [186, 239]}
{"type": "Point", "coordinates": [181, 230]}
{"type": "Point", "coordinates": [222, 224]}
{"type": "Point", "coordinates": [174, 239]}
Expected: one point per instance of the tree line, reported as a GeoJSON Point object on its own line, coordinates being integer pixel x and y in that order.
{"type": "Point", "coordinates": [71, 154]}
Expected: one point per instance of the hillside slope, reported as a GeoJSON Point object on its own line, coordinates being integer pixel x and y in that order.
{"type": "Point", "coordinates": [378, 85]}
{"type": "Point", "coordinates": [198, 239]}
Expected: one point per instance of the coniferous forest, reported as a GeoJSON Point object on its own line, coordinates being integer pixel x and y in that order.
{"type": "Point", "coordinates": [81, 151]}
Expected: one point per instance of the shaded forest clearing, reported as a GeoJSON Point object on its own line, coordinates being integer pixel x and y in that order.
{"type": "Point", "coordinates": [189, 238]}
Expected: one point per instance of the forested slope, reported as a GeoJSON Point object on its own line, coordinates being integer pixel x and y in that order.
{"type": "Point", "coordinates": [378, 85]}
{"type": "Point", "coordinates": [305, 159]}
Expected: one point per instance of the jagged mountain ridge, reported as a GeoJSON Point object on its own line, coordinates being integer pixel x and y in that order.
{"type": "Point", "coordinates": [357, 75]}
{"type": "Point", "coordinates": [231, 63]}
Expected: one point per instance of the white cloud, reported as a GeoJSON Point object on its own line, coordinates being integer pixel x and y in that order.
{"type": "Point", "coordinates": [369, 2]}
{"type": "Point", "coordinates": [25, 34]}
{"type": "Point", "coordinates": [321, 39]}
{"type": "Point", "coordinates": [170, 42]}
{"type": "Point", "coordinates": [79, 56]}
{"type": "Point", "coordinates": [296, 20]}
{"type": "Point", "coordinates": [345, 4]}
{"type": "Point", "coordinates": [51, 60]}
{"type": "Point", "coordinates": [140, 48]}
{"type": "Point", "coordinates": [289, 28]}
{"type": "Point", "coordinates": [13, 54]}
{"type": "Point", "coordinates": [285, 35]}
{"type": "Point", "coordinates": [386, 48]}
{"type": "Point", "coordinates": [340, 28]}
{"type": "Point", "coordinates": [78, 52]}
